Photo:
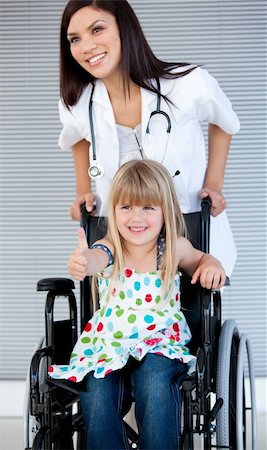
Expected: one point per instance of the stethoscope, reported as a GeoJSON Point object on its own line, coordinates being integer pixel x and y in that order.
{"type": "Point", "coordinates": [96, 170]}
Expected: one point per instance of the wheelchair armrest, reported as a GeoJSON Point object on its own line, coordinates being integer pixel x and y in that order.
{"type": "Point", "coordinates": [36, 384]}
{"type": "Point", "coordinates": [59, 285]}
{"type": "Point", "coordinates": [35, 364]}
{"type": "Point", "coordinates": [189, 382]}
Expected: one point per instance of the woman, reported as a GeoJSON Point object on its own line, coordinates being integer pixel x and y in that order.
{"type": "Point", "coordinates": [103, 46]}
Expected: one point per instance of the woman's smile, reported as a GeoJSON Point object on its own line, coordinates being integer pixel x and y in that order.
{"type": "Point", "coordinates": [96, 59]}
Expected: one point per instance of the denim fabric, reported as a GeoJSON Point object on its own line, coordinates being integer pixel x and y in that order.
{"type": "Point", "coordinates": [154, 383]}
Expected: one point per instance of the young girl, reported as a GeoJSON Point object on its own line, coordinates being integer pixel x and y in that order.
{"type": "Point", "coordinates": [136, 341]}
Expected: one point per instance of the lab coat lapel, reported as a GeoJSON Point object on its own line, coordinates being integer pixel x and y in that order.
{"type": "Point", "coordinates": [149, 104]}
{"type": "Point", "coordinates": [106, 132]}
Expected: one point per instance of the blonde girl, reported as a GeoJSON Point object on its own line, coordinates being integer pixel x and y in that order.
{"type": "Point", "coordinates": [136, 342]}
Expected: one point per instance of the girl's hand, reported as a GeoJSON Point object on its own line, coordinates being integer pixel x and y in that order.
{"type": "Point", "coordinates": [78, 261]}
{"type": "Point", "coordinates": [75, 209]}
{"type": "Point", "coordinates": [210, 273]}
{"type": "Point", "coordinates": [218, 203]}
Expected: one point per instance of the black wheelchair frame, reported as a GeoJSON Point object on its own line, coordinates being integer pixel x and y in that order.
{"type": "Point", "coordinates": [214, 397]}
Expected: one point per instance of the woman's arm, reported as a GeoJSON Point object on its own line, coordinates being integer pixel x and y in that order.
{"type": "Point", "coordinates": [218, 147]}
{"type": "Point", "coordinates": [84, 261]}
{"type": "Point", "coordinates": [203, 267]}
{"type": "Point", "coordinates": [80, 152]}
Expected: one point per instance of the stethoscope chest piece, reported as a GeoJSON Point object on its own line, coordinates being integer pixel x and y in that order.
{"type": "Point", "coordinates": [96, 171]}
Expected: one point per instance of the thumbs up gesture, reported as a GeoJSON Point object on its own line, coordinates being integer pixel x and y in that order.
{"type": "Point", "coordinates": [78, 260]}
{"type": "Point", "coordinates": [82, 241]}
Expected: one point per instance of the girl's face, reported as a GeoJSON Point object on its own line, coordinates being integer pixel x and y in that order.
{"type": "Point", "coordinates": [139, 225]}
{"type": "Point", "coordinates": [95, 42]}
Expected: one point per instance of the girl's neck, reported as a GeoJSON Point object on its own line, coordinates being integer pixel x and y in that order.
{"type": "Point", "coordinates": [142, 259]}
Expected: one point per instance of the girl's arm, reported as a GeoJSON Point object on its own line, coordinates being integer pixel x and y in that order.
{"type": "Point", "coordinates": [218, 145]}
{"type": "Point", "coordinates": [80, 152]}
{"type": "Point", "coordinates": [203, 267]}
{"type": "Point", "coordinates": [84, 261]}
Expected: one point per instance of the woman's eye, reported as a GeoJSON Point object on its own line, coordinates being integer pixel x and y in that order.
{"type": "Point", "coordinates": [73, 40]}
{"type": "Point", "coordinates": [97, 29]}
{"type": "Point", "coordinates": [149, 208]}
{"type": "Point", "coordinates": [126, 207]}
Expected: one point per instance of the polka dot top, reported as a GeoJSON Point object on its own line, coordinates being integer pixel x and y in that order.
{"type": "Point", "coordinates": [133, 320]}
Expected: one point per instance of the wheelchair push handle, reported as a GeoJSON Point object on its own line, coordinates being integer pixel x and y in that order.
{"type": "Point", "coordinates": [205, 208]}
{"type": "Point", "coordinates": [205, 211]}
{"type": "Point", "coordinates": [205, 224]}
{"type": "Point", "coordinates": [85, 215]}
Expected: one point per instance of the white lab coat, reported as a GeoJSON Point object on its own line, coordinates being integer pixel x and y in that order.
{"type": "Point", "coordinates": [196, 97]}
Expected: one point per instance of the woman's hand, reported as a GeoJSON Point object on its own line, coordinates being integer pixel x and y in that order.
{"type": "Point", "coordinates": [210, 273]}
{"type": "Point", "coordinates": [75, 209]}
{"type": "Point", "coordinates": [218, 202]}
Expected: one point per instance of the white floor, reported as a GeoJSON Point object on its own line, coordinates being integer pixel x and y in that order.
{"type": "Point", "coordinates": [11, 433]}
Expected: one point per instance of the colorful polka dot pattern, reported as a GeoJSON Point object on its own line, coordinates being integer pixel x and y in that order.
{"type": "Point", "coordinates": [134, 321]}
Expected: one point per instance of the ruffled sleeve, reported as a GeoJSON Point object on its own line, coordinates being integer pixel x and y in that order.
{"type": "Point", "coordinates": [214, 106]}
{"type": "Point", "coordinates": [70, 134]}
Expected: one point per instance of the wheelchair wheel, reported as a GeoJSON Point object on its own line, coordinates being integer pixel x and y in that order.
{"type": "Point", "coordinates": [231, 427]}
{"type": "Point", "coordinates": [244, 351]}
{"type": "Point", "coordinates": [31, 424]}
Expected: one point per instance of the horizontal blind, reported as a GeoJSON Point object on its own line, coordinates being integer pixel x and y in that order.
{"type": "Point", "coordinates": [37, 180]}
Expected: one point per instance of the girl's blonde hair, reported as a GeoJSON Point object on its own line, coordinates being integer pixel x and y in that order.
{"type": "Point", "coordinates": [146, 182]}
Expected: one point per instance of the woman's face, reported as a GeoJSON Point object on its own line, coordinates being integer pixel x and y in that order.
{"type": "Point", "coordinates": [95, 42]}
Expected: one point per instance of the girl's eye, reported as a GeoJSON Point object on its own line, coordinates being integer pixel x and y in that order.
{"type": "Point", "coordinates": [126, 207]}
{"type": "Point", "coordinates": [149, 208]}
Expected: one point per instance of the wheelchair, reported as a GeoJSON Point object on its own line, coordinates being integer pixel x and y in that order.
{"type": "Point", "coordinates": [217, 406]}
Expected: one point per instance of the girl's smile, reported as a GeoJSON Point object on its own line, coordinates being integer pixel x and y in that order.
{"type": "Point", "coordinates": [137, 229]}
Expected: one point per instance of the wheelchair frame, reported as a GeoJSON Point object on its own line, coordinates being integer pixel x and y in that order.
{"type": "Point", "coordinates": [214, 397]}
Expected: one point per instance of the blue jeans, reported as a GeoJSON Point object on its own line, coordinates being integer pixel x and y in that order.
{"type": "Point", "coordinates": [154, 383]}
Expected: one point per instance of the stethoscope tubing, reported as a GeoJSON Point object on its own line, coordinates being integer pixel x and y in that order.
{"type": "Point", "coordinates": [96, 170]}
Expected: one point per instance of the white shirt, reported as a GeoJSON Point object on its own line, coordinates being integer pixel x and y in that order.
{"type": "Point", "coordinates": [196, 97]}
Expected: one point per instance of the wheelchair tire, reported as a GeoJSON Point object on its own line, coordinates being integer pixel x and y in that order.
{"type": "Point", "coordinates": [244, 352]}
{"type": "Point", "coordinates": [30, 424]}
{"type": "Point", "coordinates": [231, 423]}
{"type": "Point", "coordinates": [226, 385]}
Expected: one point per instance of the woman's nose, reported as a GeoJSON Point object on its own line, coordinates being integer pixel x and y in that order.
{"type": "Point", "coordinates": [88, 45]}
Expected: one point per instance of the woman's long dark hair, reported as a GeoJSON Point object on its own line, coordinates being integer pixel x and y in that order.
{"type": "Point", "coordinates": [139, 63]}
